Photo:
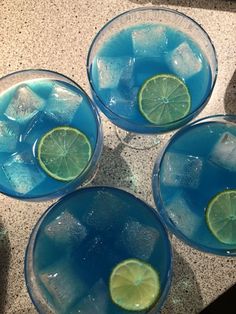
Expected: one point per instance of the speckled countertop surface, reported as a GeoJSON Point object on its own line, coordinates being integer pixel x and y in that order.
{"type": "Point", "coordinates": [56, 34]}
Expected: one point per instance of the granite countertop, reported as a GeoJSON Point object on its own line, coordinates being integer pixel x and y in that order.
{"type": "Point", "coordinates": [56, 34]}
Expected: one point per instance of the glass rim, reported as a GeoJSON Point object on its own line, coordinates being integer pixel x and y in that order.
{"type": "Point", "coordinates": [34, 234]}
{"type": "Point", "coordinates": [99, 139]}
{"type": "Point", "coordinates": [141, 9]}
{"type": "Point", "coordinates": [158, 199]}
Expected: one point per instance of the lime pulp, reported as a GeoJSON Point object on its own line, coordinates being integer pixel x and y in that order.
{"type": "Point", "coordinates": [134, 285]}
{"type": "Point", "coordinates": [164, 99]}
{"type": "Point", "coordinates": [221, 216]}
{"type": "Point", "coordinates": [64, 152]}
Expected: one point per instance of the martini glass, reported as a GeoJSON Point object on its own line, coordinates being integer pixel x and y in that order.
{"type": "Point", "coordinates": [35, 103]}
{"type": "Point", "coordinates": [78, 242]}
{"type": "Point", "coordinates": [194, 184]}
{"type": "Point", "coordinates": [141, 44]}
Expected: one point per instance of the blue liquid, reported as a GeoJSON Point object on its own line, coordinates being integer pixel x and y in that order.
{"type": "Point", "coordinates": [107, 218]}
{"type": "Point", "coordinates": [30, 133]}
{"type": "Point", "coordinates": [200, 141]}
{"type": "Point", "coordinates": [124, 110]}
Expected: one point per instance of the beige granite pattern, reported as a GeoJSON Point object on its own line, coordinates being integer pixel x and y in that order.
{"type": "Point", "coordinates": [56, 34]}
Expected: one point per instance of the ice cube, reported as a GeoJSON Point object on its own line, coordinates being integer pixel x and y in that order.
{"type": "Point", "coordinates": [180, 211]}
{"type": "Point", "coordinates": [112, 70]}
{"type": "Point", "coordinates": [93, 255]}
{"type": "Point", "coordinates": [105, 212]}
{"type": "Point", "coordinates": [184, 62]}
{"type": "Point", "coordinates": [24, 105]}
{"type": "Point", "coordinates": [149, 41]}
{"type": "Point", "coordinates": [224, 152]}
{"type": "Point", "coordinates": [37, 127]}
{"type": "Point", "coordinates": [138, 239]}
{"type": "Point", "coordinates": [95, 302]}
{"type": "Point", "coordinates": [124, 104]}
{"type": "Point", "coordinates": [66, 229]}
{"type": "Point", "coordinates": [22, 173]}
{"type": "Point", "coordinates": [181, 170]}
{"type": "Point", "coordinates": [9, 134]}
{"type": "Point", "coordinates": [63, 285]}
{"type": "Point", "coordinates": [62, 103]}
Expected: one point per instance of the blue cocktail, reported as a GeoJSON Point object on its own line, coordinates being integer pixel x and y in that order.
{"type": "Point", "coordinates": [50, 135]}
{"type": "Point", "coordinates": [151, 70]}
{"type": "Point", "coordinates": [79, 241]}
{"type": "Point", "coordinates": [194, 184]}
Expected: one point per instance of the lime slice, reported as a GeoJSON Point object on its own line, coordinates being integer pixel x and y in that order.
{"type": "Point", "coordinates": [134, 285]}
{"type": "Point", "coordinates": [64, 153]}
{"type": "Point", "coordinates": [221, 216]}
{"type": "Point", "coordinates": [163, 99]}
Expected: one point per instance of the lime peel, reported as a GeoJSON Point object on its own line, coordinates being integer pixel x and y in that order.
{"type": "Point", "coordinates": [164, 99]}
{"type": "Point", "coordinates": [134, 285]}
{"type": "Point", "coordinates": [221, 216]}
{"type": "Point", "coordinates": [64, 152]}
